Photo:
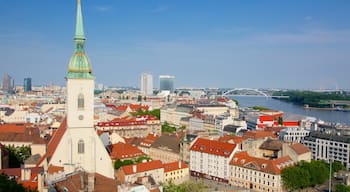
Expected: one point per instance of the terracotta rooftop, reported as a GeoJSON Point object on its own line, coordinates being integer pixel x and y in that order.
{"type": "Point", "coordinates": [300, 148]}
{"type": "Point", "coordinates": [258, 134]}
{"type": "Point", "coordinates": [275, 166]}
{"type": "Point", "coordinates": [73, 183]}
{"type": "Point", "coordinates": [213, 147]}
{"type": "Point", "coordinates": [230, 139]}
{"type": "Point", "coordinates": [124, 151]}
{"type": "Point", "coordinates": [142, 167]}
{"type": "Point", "coordinates": [30, 134]}
{"type": "Point", "coordinates": [54, 169]}
{"type": "Point", "coordinates": [147, 141]}
{"type": "Point", "coordinates": [56, 138]}
{"type": "Point", "coordinates": [14, 127]}
{"type": "Point", "coordinates": [174, 166]}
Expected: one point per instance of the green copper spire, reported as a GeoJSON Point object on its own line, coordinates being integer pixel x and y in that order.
{"type": "Point", "coordinates": [79, 64]}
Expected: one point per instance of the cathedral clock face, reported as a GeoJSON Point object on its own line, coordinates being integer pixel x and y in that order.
{"type": "Point", "coordinates": [81, 117]}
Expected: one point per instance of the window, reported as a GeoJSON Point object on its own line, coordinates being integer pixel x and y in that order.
{"type": "Point", "coordinates": [81, 146]}
{"type": "Point", "coordinates": [81, 101]}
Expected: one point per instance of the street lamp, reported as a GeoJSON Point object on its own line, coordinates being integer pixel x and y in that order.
{"type": "Point", "coordinates": [330, 174]}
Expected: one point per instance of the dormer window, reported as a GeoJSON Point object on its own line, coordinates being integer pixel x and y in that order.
{"type": "Point", "coordinates": [81, 102]}
{"type": "Point", "coordinates": [263, 166]}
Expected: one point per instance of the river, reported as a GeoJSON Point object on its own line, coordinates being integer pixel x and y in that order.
{"type": "Point", "coordinates": [329, 116]}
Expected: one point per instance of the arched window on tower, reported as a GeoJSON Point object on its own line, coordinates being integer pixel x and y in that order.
{"type": "Point", "coordinates": [81, 146]}
{"type": "Point", "coordinates": [81, 101]}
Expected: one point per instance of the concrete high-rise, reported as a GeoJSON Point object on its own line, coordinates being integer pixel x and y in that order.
{"type": "Point", "coordinates": [27, 85]}
{"type": "Point", "coordinates": [166, 83]}
{"type": "Point", "coordinates": [8, 84]}
{"type": "Point", "coordinates": [146, 84]}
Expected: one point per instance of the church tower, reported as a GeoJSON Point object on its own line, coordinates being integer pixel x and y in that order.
{"type": "Point", "coordinates": [80, 148]}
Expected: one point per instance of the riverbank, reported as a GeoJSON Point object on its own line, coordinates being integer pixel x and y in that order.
{"type": "Point", "coordinates": [334, 116]}
{"type": "Point", "coordinates": [327, 109]}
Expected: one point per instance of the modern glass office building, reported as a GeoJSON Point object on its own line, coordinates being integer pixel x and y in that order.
{"type": "Point", "coordinates": [166, 83]}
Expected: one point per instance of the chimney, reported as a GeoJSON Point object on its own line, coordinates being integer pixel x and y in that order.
{"type": "Point", "coordinates": [180, 164]}
{"type": "Point", "coordinates": [134, 168]}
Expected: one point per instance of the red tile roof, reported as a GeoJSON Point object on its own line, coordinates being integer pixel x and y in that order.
{"type": "Point", "coordinates": [14, 127]}
{"type": "Point", "coordinates": [300, 148]}
{"type": "Point", "coordinates": [147, 141]}
{"type": "Point", "coordinates": [213, 147]}
{"type": "Point", "coordinates": [124, 151]}
{"type": "Point", "coordinates": [258, 134]}
{"type": "Point", "coordinates": [56, 138]}
{"type": "Point", "coordinates": [54, 169]}
{"type": "Point", "coordinates": [230, 139]}
{"type": "Point", "coordinates": [275, 166]}
{"type": "Point", "coordinates": [142, 167]}
{"type": "Point", "coordinates": [174, 166]}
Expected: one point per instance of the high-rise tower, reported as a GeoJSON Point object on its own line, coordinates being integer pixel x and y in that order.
{"type": "Point", "coordinates": [146, 84]}
{"type": "Point", "coordinates": [166, 83]}
{"type": "Point", "coordinates": [80, 147]}
{"type": "Point", "coordinates": [27, 84]}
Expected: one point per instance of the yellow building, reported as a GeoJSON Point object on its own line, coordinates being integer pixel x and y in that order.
{"type": "Point", "coordinates": [258, 174]}
{"type": "Point", "coordinates": [176, 172]}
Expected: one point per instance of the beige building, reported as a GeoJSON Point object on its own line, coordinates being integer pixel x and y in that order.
{"type": "Point", "coordinates": [297, 151]}
{"type": "Point", "coordinates": [258, 174]}
{"type": "Point", "coordinates": [130, 173]}
{"type": "Point", "coordinates": [173, 115]}
{"type": "Point", "coordinates": [176, 172]}
{"type": "Point", "coordinates": [166, 148]}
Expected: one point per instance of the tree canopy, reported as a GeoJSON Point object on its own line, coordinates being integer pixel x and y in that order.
{"type": "Point", "coordinates": [305, 175]}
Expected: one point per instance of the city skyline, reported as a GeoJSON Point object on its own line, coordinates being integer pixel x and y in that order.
{"type": "Point", "coordinates": [208, 44]}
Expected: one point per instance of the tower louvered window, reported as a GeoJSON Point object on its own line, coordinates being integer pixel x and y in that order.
{"type": "Point", "coordinates": [81, 101]}
{"type": "Point", "coordinates": [81, 146]}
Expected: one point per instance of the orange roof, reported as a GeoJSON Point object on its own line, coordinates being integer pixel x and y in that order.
{"type": "Point", "coordinates": [124, 151]}
{"type": "Point", "coordinates": [230, 139]}
{"type": "Point", "coordinates": [174, 166]}
{"type": "Point", "coordinates": [56, 138]}
{"type": "Point", "coordinates": [213, 147]}
{"type": "Point", "coordinates": [14, 127]}
{"type": "Point", "coordinates": [147, 141]}
{"type": "Point", "coordinates": [258, 134]}
{"type": "Point", "coordinates": [275, 166]}
{"type": "Point", "coordinates": [142, 167]}
{"type": "Point", "coordinates": [300, 148]}
{"type": "Point", "coordinates": [54, 169]}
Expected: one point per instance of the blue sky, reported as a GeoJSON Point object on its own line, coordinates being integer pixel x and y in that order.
{"type": "Point", "coordinates": [204, 43]}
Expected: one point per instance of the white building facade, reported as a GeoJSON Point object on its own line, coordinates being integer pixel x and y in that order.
{"type": "Point", "coordinates": [329, 147]}
{"type": "Point", "coordinates": [146, 84]}
{"type": "Point", "coordinates": [210, 159]}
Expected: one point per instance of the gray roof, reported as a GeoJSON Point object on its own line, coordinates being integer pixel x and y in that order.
{"type": "Point", "coordinates": [167, 142]}
{"type": "Point", "coordinates": [332, 137]}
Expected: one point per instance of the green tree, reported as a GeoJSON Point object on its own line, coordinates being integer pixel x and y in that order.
{"type": "Point", "coordinates": [337, 166]}
{"type": "Point", "coordinates": [139, 98]}
{"type": "Point", "coordinates": [280, 120]}
{"type": "Point", "coordinates": [17, 155]}
{"type": "Point", "coordinates": [144, 98]}
{"type": "Point", "coordinates": [7, 184]}
{"type": "Point", "coordinates": [140, 159]}
{"type": "Point", "coordinates": [185, 187]}
{"type": "Point", "coordinates": [295, 178]}
{"type": "Point", "coordinates": [342, 188]}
